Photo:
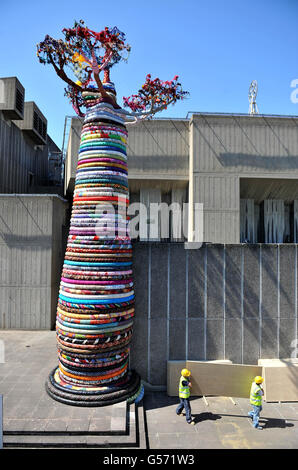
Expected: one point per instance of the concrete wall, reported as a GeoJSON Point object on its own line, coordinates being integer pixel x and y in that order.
{"type": "Point", "coordinates": [18, 157]}
{"type": "Point", "coordinates": [32, 230]}
{"type": "Point", "coordinates": [156, 150]}
{"type": "Point", "coordinates": [236, 302]}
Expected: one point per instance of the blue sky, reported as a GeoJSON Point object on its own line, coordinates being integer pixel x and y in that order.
{"type": "Point", "coordinates": [215, 46]}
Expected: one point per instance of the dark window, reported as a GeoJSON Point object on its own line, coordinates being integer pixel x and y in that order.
{"type": "Point", "coordinates": [19, 101]}
{"type": "Point", "coordinates": [39, 125]}
{"type": "Point", "coordinates": [31, 178]}
{"type": "Point", "coordinates": [35, 121]}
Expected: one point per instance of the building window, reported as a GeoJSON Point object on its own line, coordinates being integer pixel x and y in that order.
{"type": "Point", "coordinates": [30, 179]}
{"type": "Point", "coordinates": [270, 221]}
{"type": "Point", "coordinates": [19, 101]}
{"type": "Point", "coordinates": [162, 214]}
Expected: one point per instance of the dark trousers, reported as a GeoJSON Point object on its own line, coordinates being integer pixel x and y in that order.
{"type": "Point", "coordinates": [184, 403]}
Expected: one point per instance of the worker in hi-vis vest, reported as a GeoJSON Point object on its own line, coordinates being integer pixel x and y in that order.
{"type": "Point", "coordinates": [184, 394]}
{"type": "Point", "coordinates": [256, 393]}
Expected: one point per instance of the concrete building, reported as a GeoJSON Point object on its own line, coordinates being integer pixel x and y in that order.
{"type": "Point", "coordinates": [242, 168]}
{"type": "Point", "coordinates": [26, 151]}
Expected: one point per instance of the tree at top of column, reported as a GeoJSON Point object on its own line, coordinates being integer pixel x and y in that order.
{"type": "Point", "coordinates": [86, 54]}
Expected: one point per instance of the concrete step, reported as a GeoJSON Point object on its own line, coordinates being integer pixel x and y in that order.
{"type": "Point", "coordinates": [70, 420]}
{"type": "Point", "coordinates": [125, 431]}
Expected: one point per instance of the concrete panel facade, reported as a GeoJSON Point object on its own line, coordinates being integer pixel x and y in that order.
{"type": "Point", "coordinates": [31, 253]}
{"type": "Point", "coordinates": [218, 302]}
{"type": "Point", "coordinates": [156, 150]}
{"type": "Point", "coordinates": [23, 164]}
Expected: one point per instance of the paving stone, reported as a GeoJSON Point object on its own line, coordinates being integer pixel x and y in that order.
{"type": "Point", "coordinates": [118, 417]}
{"type": "Point", "coordinates": [78, 425]}
{"type": "Point", "coordinates": [22, 412]}
{"type": "Point", "coordinates": [165, 427]}
{"type": "Point", "coordinates": [57, 410]}
{"type": "Point", "coordinates": [99, 440]}
{"type": "Point", "coordinates": [100, 424]}
{"type": "Point", "coordinates": [37, 440]}
{"type": "Point", "coordinates": [288, 411]}
{"type": "Point", "coordinates": [11, 411]}
{"type": "Point", "coordinates": [164, 441]}
{"type": "Point", "coordinates": [82, 413]}
{"type": "Point", "coordinates": [221, 425]}
{"type": "Point", "coordinates": [56, 425]}
{"type": "Point", "coordinates": [38, 412]}
{"type": "Point", "coordinates": [14, 424]}
{"type": "Point", "coordinates": [35, 425]}
{"type": "Point", "coordinates": [117, 424]}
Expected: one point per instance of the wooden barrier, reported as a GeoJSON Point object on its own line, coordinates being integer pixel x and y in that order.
{"type": "Point", "coordinates": [221, 378]}
{"type": "Point", "coordinates": [280, 379]}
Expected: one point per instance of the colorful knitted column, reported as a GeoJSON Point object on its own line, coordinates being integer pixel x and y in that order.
{"type": "Point", "coordinates": [96, 300]}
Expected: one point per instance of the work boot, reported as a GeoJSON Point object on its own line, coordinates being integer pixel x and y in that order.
{"type": "Point", "coordinates": [191, 422]}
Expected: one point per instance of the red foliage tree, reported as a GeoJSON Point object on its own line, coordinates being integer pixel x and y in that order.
{"type": "Point", "coordinates": [88, 53]}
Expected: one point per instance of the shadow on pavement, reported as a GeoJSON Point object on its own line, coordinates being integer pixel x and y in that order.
{"type": "Point", "coordinates": [200, 417]}
{"type": "Point", "coordinates": [275, 423]}
{"type": "Point", "coordinates": [154, 400]}
{"type": "Point", "coordinates": [267, 422]}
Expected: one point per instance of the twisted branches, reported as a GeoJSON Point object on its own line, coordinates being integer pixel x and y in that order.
{"type": "Point", "coordinates": [86, 53]}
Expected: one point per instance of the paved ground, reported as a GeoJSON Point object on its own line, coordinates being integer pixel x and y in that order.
{"type": "Point", "coordinates": [220, 425]}
{"type": "Point", "coordinates": [31, 416]}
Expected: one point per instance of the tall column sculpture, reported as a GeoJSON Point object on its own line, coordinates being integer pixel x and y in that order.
{"type": "Point", "coordinates": [96, 299]}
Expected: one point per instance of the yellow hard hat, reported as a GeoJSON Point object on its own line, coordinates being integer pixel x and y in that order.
{"type": "Point", "coordinates": [259, 379]}
{"type": "Point", "coordinates": [185, 373]}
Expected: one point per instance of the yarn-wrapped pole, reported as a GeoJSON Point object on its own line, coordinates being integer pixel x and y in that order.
{"type": "Point", "coordinates": [96, 298]}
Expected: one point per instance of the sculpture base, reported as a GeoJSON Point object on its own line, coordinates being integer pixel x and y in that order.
{"type": "Point", "coordinates": [130, 388]}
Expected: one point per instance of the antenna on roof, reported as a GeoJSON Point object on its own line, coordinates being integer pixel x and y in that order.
{"type": "Point", "coordinates": [252, 94]}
